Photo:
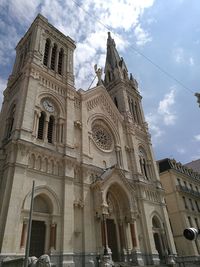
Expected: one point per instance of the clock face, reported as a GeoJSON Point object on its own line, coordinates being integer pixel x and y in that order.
{"type": "Point", "coordinates": [48, 105]}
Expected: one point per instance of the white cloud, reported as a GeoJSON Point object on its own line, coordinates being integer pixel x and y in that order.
{"type": "Point", "coordinates": [164, 108]}
{"type": "Point", "coordinates": [181, 150]}
{"type": "Point", "coordinates": [156, 131]}
{"type": "Point", "coordinates": [197, 137]}
{"type": "Point", "coordinates": [142, 37]}
{"type": "Point", "coordinates": [86, 24]}
{"type": "Point", "coordinates": [191, 61]}
{"type": "Point", "coordinates": [179, 55]}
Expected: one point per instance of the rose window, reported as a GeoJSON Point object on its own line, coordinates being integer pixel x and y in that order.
{"type": "Point", "coordinates": [101, 137]}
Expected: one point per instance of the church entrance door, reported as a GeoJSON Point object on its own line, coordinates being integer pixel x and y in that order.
{"type": "Point", "coordinates": [37, 244]}
{"type": "Point", "coordinates": [112, 238]}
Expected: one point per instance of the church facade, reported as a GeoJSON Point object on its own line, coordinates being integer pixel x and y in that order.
{"type": "Point", "coordinates": [97, 188]}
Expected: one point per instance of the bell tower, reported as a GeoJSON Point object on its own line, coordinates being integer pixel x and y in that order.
{"type": "Point", "coordinates": [37, 112]}
{"type": "Point", "coordinates": [122, 88]}
{"type": "Point", "coordinates": [44, 62]}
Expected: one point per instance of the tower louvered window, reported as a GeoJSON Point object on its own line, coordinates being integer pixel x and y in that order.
{"type": "Point", "coordinates": [50, 129]}
{"type": "Point", "coordinates": [60, 61]}
{"type": "Point", "coordinates": [41, 126]}
{"type": "Point", "coordinates": [46, 52]}
{"type": "Point", "coordinates": [53, 57]}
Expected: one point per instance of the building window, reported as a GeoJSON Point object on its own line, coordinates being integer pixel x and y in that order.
{"type": "Point", "coordinates": [53, 57]}
{"type": "Point", "coordinates": [185, 184]}
{"type": "Point", "coordinates": [60, 61]}
{"type": "Point", "coordinates": [179, 181]}
{"type": "Point", "coordinates": [191, 204]}
{"type": "Point", "coordinates": [185, 202]}
{"type": "Point", "coordinates": [196, 222]}
{"type": "Point", "coordinates": [191, 187]}
{"type": "Point", "coordinates": [197, 206]}
{"type": "Point", "coordinates": [41, 126]}
{"type": "Point", "coordinates": [50, 129]}
{"type": "Point", "coordinates": [46, 52]}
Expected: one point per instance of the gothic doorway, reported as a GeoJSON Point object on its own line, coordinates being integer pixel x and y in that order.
{"type": "Point", "coordinates": [118, 208]}
{"type": "Point", "coordinates": [37, 244]}
{"type": "Point", "coordinates": [112, 238]}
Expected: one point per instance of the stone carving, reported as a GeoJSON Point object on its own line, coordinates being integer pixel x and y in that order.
{"type": "Point", "coordinates": [42, 261]}
{"type": "Point", "coordinates": [102, 100]}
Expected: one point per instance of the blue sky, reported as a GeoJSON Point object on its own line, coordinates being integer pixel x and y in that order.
{"type": "Point", "coordinates": [165, 32]}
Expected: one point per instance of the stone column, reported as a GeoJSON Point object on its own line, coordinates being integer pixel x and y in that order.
{"type": "Point", "coordinates": [53, 228]}
{"type": "Point", "coordinates": [36, 122]}
{"type": "Point", "coordinates": [133, 235]}
{"type": "Point", "coordinates": [45, 131]}
{"type": "Point", "coordinates": [136, 254]}
{"type": "Point", "coordinates": [49, 56]}
{"type": "Point", "coordinates": [23, 235]}
{"type": "Point", "coordinates": [56, 59]}
{"type": "Point", "coordinates": [64, 63]}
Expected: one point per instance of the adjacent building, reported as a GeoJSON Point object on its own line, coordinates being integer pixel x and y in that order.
{"type": "Point", "coordinates": [97, 188]}
{"type": "Point", "coordinates": [182, 195]}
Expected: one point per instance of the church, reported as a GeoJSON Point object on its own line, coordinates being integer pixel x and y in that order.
{"type": "Point", "coordinates": [97, 188]}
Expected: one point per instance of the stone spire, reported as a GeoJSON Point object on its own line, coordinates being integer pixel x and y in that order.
{"type": "Point", "coordinates": [115, 67]}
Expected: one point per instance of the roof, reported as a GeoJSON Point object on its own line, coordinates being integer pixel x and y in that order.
{"type": "Point", "coordinates": [195, 165]}
{"type": "Point", "coordinates": [167, 164]}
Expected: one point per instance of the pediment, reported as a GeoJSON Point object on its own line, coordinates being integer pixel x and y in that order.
{"type": "Point", "coordinates": [99, 97]}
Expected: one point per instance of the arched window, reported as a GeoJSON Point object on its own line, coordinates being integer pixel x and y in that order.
{"type": "Point", "coordinates": [50, 129]}
{"type": "Point", "coordinates": [40, 134]}
{"type": "Point", "coordinates": [53, 57]}
{"type": "Point", "coordinates": [60, 61]}
{"type": "Point", "coordinates": [10, 122]}
{"type": "Point", "coordinates": [46, 52]}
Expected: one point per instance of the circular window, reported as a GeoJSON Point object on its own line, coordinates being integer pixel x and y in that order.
{"type": "Point", "coordinates": [102, 137]}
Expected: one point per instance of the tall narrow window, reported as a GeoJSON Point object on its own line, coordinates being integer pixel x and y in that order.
{"type": "Point", "coordinates": [115, 101]}
{"type": "Point", "coordinates": [185, 203]}
{"type": "Point", "coordinates": [191, 204]}
{"type": "Point", "coordinates": [60, 61]}
{"type": "Point", "coordinates": [46, 52]}
{"type": "Point", "coordinates": [40, 134]}
{"type": "Point", "coordinates": [53, 57]}
{"type": "Point", "coordinates": [10, 122]}
{"type": "Point", "coordinates": [50, 129]}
